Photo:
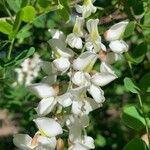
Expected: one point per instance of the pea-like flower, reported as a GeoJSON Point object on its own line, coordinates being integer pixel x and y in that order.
{"type": "Point", "coordinates": [87, 9]}
{"type": "Point", "coordinates": [74, 39]}
{"type": "Point", "coordinates": [116, 31]}
{"type": "Point", "coordinates": [93, 41]}
{"type": "Point", "coordinates": [44, 139]}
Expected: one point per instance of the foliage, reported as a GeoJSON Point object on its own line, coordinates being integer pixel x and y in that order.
{"type": "Point", "coordinates": [125, 116]}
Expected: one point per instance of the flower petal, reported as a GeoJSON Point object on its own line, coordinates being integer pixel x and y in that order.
{"type": "Point", "coordinates": [22, 141]}
{"type": "Point", "coordinates": [57, 34]}
{"type": "Point", "coordinates": [60, 49]}
{"type": "Point", "coordinates": [112, 57]}
{"type": "Point", "coordinates": [42, 90]}
{"type": "Point", "coordinates": [103, 78]}
{"type": "Point", "coordinates": [104, 67]}
{"type": "Point", "coordinates": [50, 80]}
{"type": "Point", "coordinates": [97, 93]}
{"type": "Point", "coordinates": [116, 31]}
{"type": "Point", "coordinates": [47, 143]}
{"type": "Point", "coordinates": [46, 106]}
{"type": "Point", "coordinates": [62, 64]}
{"type": "Point", "coordinates": [85, 61]}
{"type": "Point", "coordinates": [89, 142]}
{"type": "Point", "coordinates": [48, 126]}
{"type": "Point", "coordinates": [81, 78]}
{"type": "Point", "coordinates": [74, 41]}
{"type": "Point", "coordinates": [65, 99]}
{"type": "Point", "coordinates": [118, 46]}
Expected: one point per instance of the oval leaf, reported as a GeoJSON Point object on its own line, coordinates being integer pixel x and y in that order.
{"type": "Point", "coordinates": [136, 144]}
{"type": "Point", "coordinates": [132, 118]}
{"type": "Point", "coordinates": [130, 86]}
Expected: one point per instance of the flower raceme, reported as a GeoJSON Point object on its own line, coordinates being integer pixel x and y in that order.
{"type": "Point", "coordinates": [72, 88]}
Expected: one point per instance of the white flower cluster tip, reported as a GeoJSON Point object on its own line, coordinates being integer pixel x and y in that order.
{"type": "Point", "coordinates": [28, 70]}
{"type": "Point", "coordinates": [72, 88]}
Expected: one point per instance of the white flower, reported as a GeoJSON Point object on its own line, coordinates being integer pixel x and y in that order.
{"type": "Point", "coordinates": [86, 143]}
{"type": "Point", "coordinates": [42, 90]}
{"type": "Point", "coordinates": [81, 104]}
{"type": "Point", "coordinates": [74, 39]}
{"type": "Point", "coordinates": [57, 34]}
{"type": "Point", "coordinates": [76, 124]}
{"type": "Point", "coordinates": [59, 48]}
{"type": "Point", "coordinates": [85, 61]}
{"type": "Point", "coordinates": [38, 142]}
{"type": "Point", "coordinates": [48, 127]}
{"type": "Point", "coordinates": [87, 9]}
{"type": "Point", "coordinates": [116, 31]}
{"type": "Point", "coordinates": [47, 105]}
{"type": "Point", "coordinates": [62, 64]}
{"type": "Point", "coordinates": [118, 46]}
{"type": "Point", "coordinates": [50, 98]}
{"type": "Point", "coordinates": [62, 54]}
{"type": "Point", "coordinates": [93, 41]}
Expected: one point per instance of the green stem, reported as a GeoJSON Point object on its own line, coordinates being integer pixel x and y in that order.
{"type": "Point", "coordinates": [146, 123]}
{"type": "Point", "coordinates": [141, 106]}
{"type": "Point", "coordinates": [10, 49]}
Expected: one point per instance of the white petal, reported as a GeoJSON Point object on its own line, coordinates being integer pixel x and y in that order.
{"type": "Point", "coordinates": [42, 90]}
{"type": "Point", "coordinates": [116, 31]}
{"type": "Point", "coordinates": [78, 26]}
{"type": "Point", "coordinates": [74, 41]}
{"type": "Point", "coordinates": [104, 67]}
{"type": "Point", "coordinates": [56, 34]}
{"type": "Point", "coordinates": [97, 93]}
{"type": "Point", "coordinates": [48, 126]}
{"type": "Point", "coordinates": [85, 61]}
{"type": "Point", "coordinates": [60, 49]}
{"type": "Point", "coordinates": [79, 8]}
{"type": "Point", "coordinates": [84, 119]}
{"type": "Point", "coordinates": [89, 142]}
{"type": "Point", "coordinates": [118, 46]}
{"type": "Point", "coordinates": [90, 105]}
{"type": "Point", "coordinates": [77, 146]}
{"type": "Point", "coordinates": [46, 106]}
{"type": "Point", "coordinates": [22, 141]}
{"type": "Point", "coordinates": [47, 143]}
{"type": "Point", "coordinates": [77, 107]}
{"type": "Point", "coordinates": [65, 100]}
{"type": "Point", "coordinates": [103, 78]}
{"type": "Point", "coordinates": [62, 64]}
{"type": "Point", "coordinates": [81, 78]}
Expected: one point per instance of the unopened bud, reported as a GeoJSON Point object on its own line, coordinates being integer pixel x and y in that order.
{"type": "Point", "coordinates": [60, 144]}
{"type": "Point", "coordinates": [145, 138]}
{"type": "Point", "coordinates": [102, 55]}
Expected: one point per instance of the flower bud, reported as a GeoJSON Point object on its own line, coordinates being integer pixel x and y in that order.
{"type": "Point", "coordinates": [60, 144]}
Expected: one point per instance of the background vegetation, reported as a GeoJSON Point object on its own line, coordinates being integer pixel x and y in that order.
{"type": "Point", "coordinates": [24, 28]}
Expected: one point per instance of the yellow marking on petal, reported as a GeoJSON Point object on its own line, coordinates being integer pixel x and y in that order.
{"type": "Point", "coordinates": [87, 2]}
{"type": "Point", "coordinates": [42, 132]}
{"type": "Point", "coordinates": [89, 67]}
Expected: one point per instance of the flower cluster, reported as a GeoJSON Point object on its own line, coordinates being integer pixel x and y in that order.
{"type": "Point", "coordinates": [72, 87]}
{"type": "Point", "coordinates": [28, 70]}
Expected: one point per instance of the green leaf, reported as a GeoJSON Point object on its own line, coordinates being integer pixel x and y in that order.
{"type": "Point", "coordinates": [64, 10]}
{"type": "Point", "coordinates": [24, 55]}
{"type": "Point", "coordinates": [129, 29]}
{"type": "Point", "coordinates": [139, 53]}
{"type": "Point", "coordinates": [45, 3]}
{"type": "Point", "coordinates": [132, 118]}
{"type": "Point", "coordinates": [14, 5]}
{"type": "Point", "coordinates": [145, 82]}
{"type": "Point", "coordinates": [28, 13]}
{"type": "Point", "coordinates": [21, 57]}
{"type": "Point", "coordinates": [136, 144]}
{"type": "Point", "coordinates": [130, 86]}
{"type": "Point", "coordinates": [5, 27]}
